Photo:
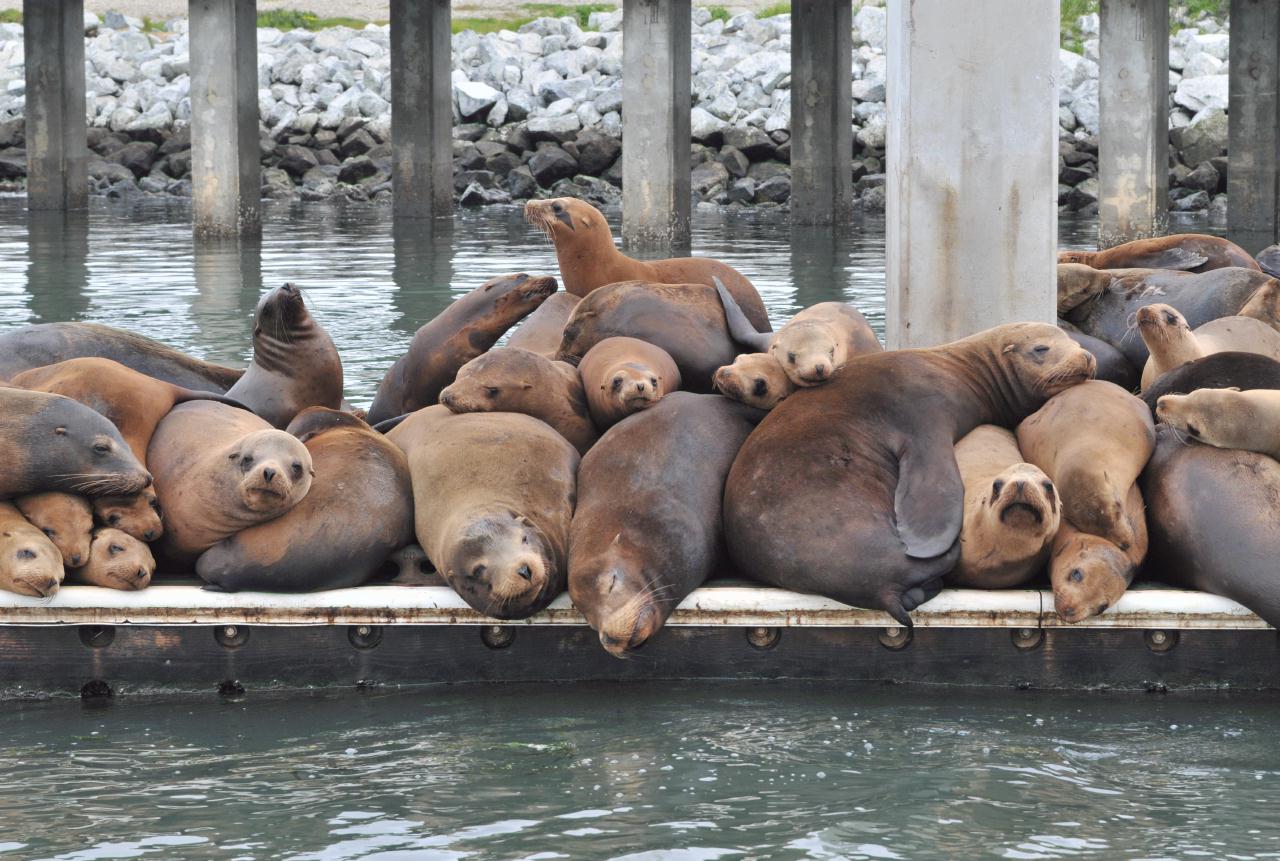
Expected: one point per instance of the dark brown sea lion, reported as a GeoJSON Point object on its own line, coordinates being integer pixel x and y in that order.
{"type": "Point", "coordinates": [511, 380]}
{"type": "Point", "coordinates": [851, 489]}
{"type": "Point", "coordinates": [220, 470]}
{"type": "Point", "coordinates": [542, 331]}
{"type": "Point", "coordinates": [621, 376]}
{"type": "Point", "coordinates": [65, 519]}
{"type": "Point", "coordinates": [356, 514]}
{"type": "Point", "coordinates": [1190, 252]}
{"type": "Point", "coordinates": [117, 561]}
{"type": "Point", "coordinates": [754, 379]}
{"type": "Point", "coordinates": [295, 364]}
{"type": "Point", "coordinates": [470, 325]}
{"type": "Point", "coordinates": [50, 442]}
{"type": "Point", "coordinates": [589, 259]}
{"type": "Point", "coordinates": [1112, 365]}
{"type": "Point", "coordinates": [29, 563]}
{"type": "Point", "coordinates": [1218, 371]}
{"type": "Point", "coordinates": [49, 343]}
{"type": "Point", "coordinates": [493, 497]}
{"type": "Point", "coordinates": [686, 320]}
{"type": "Point", "coordinates": [647, 530]}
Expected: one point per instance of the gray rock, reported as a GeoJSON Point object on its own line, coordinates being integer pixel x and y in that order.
{"type": "Point", "coordinates": [709, 179]}
{"type": "Point", "coordinates": [1194, 202]}
{"type": "Point", "coordinates": [12, 167]}
{"type": "Point", "coordinates": [1203, 138]}
{"type": "Point", "coordinates": [774, 190]}
{"type": "Point", "coordinates": [557, 129]}
{"type": "Point", "coordinates": [872, 24]}
{"type": "Point", "coordinates": [474, 97]}
{"type": "Point", "coordinates": [872, 199]}
{"type": "Point", "coordinates": [477, 195]}
{"type": "Point", "coordinates": [595, 151]}
{"type": "Point", "coordinates": [137, 156]}
{"type": "Point", "coordinates": [705, 127]}
{"type": "Point", "coordinates": [521, 184]}
{"type": "Point", "coordinates": [109, 172]}
{"type": "Point", "coordinates": [734, 161]}
{"type": "Point", "coordinates": [1084, 194]}
{"type": "Point", "coordinates": [356, 169]}
{"type": "Point", "coordinates": [1196, 94]}
{"type": "Point", "coordinates": [750, 141]}
{"type": "Point", "coordinates": [868, 91]}
{"type": "Point", "coordinates": [1203, 178]}
{"type": "Point", "coordinates": [296, 160]}
{"type": "Point", "coordinates": [154, 184]}
{"type": "Point", "coordinates": [358, 142]}
{"type": "Point", "coordinates": [551, 163]}
{"type": "Point", "coordinates": [742, 191]}
{"type": "Point", "coordinates": [766, 170]}
{"type": "Point", "coordinates": [276, 183]}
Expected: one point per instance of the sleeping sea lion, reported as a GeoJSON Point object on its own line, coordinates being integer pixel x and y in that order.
{"type": "Point", "coordinates": [1089, 573]}
{"type": "Point", "coordinates": [755, 379]}
{"type": "Point", "coordinates": [1226, 418]}
{"type": "Point", "coordinates": [29, 563]}
{"type": "Point", "coordinates": [65, 519]}
{"type": "Point", "coordinates": [117, 560]}
{"type": "Point", "coordinates": [1190, 252]}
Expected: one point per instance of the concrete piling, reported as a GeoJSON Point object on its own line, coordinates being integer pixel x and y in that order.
{"type": "Point", "coordinates": [57, 155]}
{"type": "Point", "coordinates": [1253, 119]}
{"type": "Point", "coordinates": [421, 109]}
{"type": "Point", "coordinates": [821, 112]}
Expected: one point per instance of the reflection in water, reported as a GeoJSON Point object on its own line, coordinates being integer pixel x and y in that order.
{"type": "Point", "coordinates": [819, 257]}
{"type": "Point", "coordinates": [228, 281]}
{"type": "Point", "coordinates": [58, 265]}
{"type": "Point", "coordinates": [422, 268]}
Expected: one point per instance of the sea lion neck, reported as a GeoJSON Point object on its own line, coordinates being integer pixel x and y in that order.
{"type": "Point", "coordinates": [994, 395]}
{"type": "Point", "coordinates": [585, 255]}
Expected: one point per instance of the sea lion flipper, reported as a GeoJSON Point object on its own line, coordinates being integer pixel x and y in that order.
{"type": "Point", "coordinates": [1172, 258]}
{"type": "Point", "coordinates": [929, 502]}
{"type": "Point", "coordinates": [740, 328]}
{"type": "Point", "coordinates": [1269, 260]}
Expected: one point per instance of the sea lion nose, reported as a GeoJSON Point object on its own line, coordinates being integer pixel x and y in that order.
{"type": "Point", "coordinates": [525, 571]}
{"type": "Point", "coordinates": [149, 535]}
{"type": "Point", "coordinates": [139, 574]}
{"type": "Point", "coordinates": [76, 560]}
{"type": "Point", "coordinates": [820, 371]}
{"type": "Point", "coordinates": [146, 480]}
{"type": "Point", "coordinates": [641, 388]}
{"type": "Point", "coordinates": [268, 473]}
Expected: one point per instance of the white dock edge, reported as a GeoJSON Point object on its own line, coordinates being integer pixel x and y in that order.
{"type": "Point", "coordinates": [728, 605]}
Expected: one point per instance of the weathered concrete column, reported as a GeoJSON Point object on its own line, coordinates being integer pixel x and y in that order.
{"type": "Point", "coordinates": [421, 109]}
{"type": "Point", "coordinates": [225, 175]}
{"type": "Point", "coordinates": [655, 122]}
{"type": "Point", "coordinates": [972, 211]}
{"type": "Point", "coordinates": [57, 155]}
{"type": "Point", "coordinates": [1253, 119]}
{"type": "Point", "coordinates": [821, 112]}
{"type": "Point", "coordinates": [1133, 134]}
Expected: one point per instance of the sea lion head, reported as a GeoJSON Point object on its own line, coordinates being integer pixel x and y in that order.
{"type": "Point", "coordinates": [1161, 324]}
{"type": "Point", "coordinates": [30, 564]}
{"type": "Point", "coordinates": [501, 564]}
{"type": "Point", "coordinates": [1211, 416]}
{"type": "Point", "coordinates": [1024, 499]}
{"type": "Point", "coordinates": [280, 312]}
{"type": "Point", "coordinates": [619, 600]}
{"type": "Point", "coordinates": [138, 515]}
{"type": "Point", "coordinates": [1085, 257]}
{"type": "Point", "coordinates": [754, 379]}
{"type": "Point", "coordinates": [95, 459]}
{"type": "Point", "coordinates": [1089, 574]}
{"type": "Point", "coordinates": [1042, 358]}
{"type": "Point", "coordinates": [631, 386]}
{"type": "Point", "coordinates": [1078, 283]}
{"type": "Point", "coordinates": [567, 220]}
{"type": "Point", "coordinates": [496, 381]}
{"type": "Point", "coordinates": [272, 469]}
{"type": "Point", "coordinates": [809, 352]}
{"type": "Point", "coordinates": [519, 294]}
{"type": "Point", "coordinates": [118, 561]}
{"type": "Point", "coordinates": [65, 519]}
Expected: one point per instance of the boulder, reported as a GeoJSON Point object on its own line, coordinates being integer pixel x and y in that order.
{"type": "Point", "coordinates": [474, 98]}
{"type": "Point", "coordinates": [1196, 94]}
{"type": "Point", "coordinates": [551, 163]}
{"type": "Point", "coordinates": [1203, 178]}
{"type": "Point", "coordinates": [356, 169]}
{"type": "Point", "coordinates": [595, 151]}
{"type": "Point", "coordinates": [521, 184]}
{"type": "Point", "coordinates": [1203, 138]}
{"type": "Point", "coordinates": [137, 156]}
{"type": "Point", "coordinates": [750, 141]}
{"type": "Point", "coordinates": [296, 160]}
{"type": "Point", "coordinates": [776, 189]}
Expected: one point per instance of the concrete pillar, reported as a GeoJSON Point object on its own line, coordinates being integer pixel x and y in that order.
{"type": "Point", "coordinates": [821, 112]}
{"type": "Point", "coordinates": [655, 122]}
{"type": "Point", "coordinates": [421, 109]}
{"type": "Point", "coordinates": [1253, 118]}
{"type": "Point", "coordinates": [225, 175]}
{"type": "Point", "coordinates": [57, 155]}
{"type": "Point", "coordinates": [1133, 135]}
{"type": "Point", "coordinates": [972, 210]}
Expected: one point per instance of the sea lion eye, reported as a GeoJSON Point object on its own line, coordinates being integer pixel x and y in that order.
{"type": "Point", "coordinates": [24, 553]}
{"type": "Point", "coordinates": [555, 207]}
{"type": "Point", "coordinates": [478, 571]}
{"type": "Point", "coordinates": [155, 506]}
{"type": "Point", "coordinates": [49, 532]}
{"type": "Point", "coordinates": [617, 384]}
{"type": "Point", "coordinates": [115, 548]}
{"type": "Point", "coordinates": [1193, 430]}
{"type": "Point", "coordinates": [653, 381]}
{"type": "Point", "coordinates": [491, 391]}
{"type": "Point", "coordinates": [760, 389]}
{"type": "Point", "coordinates": [247, 460]}
{"type": "Point", "coordinates": [1076, 575]}
{"type": "Point", "coordinates": [113, 520]}
{"type": "Point", "coordinates": [1048, 488]}
{"type": "Point", "coordinates": [1040, 349]}
{"type": "Point", "coordinates": [791, 357]}
{"type": "Point", "coordinates": [102, 447]}
{"type": "Point", "coordinates": [1170, 319]}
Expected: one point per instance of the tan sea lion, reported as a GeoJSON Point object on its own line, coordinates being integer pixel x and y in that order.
{"type": "Point", "coordinates": [117, 561]}
{"type": "Point", "coordinates": [755, 379]}
{"type": "Point", "coordinates": [220, 470]}
{"type": "Point", "coordinates": [1011, 512]}
{"type": "Point", "coordinates": [1219, 371]}
{"type": "Point", "coordinates": [295, 364]}
{"type": "Point", "coordinates": [1089, 573]}
{"type": "Point", "coordinates": [1092, 440]}
{"type": "Point", "coordinates": [851, 489]}
{"type": "Point", "coordinates": [511, 380]}
{"type": "Point", "coordinates": [470, 325]}
{"type": "Point", "coordinates": [1226, 418]}
{"type": "Point", "coordinates": [589, 259]}
{"type": "Point", "coordinates": [542, 330]}
{"type": "Point", "coordinates": [30, 564]}
{"type": "Point", "coordinates": [1172, 342]}
{"type": "Point", "coordinates": [622, 376]}
{"type": "Point", "coordinates": [493, 497]}
{"type": "Point", "coordinates": [138, 515]}
{"type": "Point", "coordinates": [1190, 252]}
{"type": "Point", "coordinates": [65, 519]}
{"type": "Point", "coordinates": [356, 514]}
{"type": "Point", "coordinates": [1077, 283]}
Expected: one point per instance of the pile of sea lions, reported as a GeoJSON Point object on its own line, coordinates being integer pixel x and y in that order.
{"type": "Point", "coordinates": [645, 430]}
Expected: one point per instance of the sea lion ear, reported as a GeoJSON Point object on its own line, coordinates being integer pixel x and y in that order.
{"type": "Point", "coordinates": [1008, 348]}
{"type": "Point", "coordinates": [929, 501]}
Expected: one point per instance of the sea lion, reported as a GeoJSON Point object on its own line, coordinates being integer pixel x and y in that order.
{"type": "Point", "coordinates": [647, 530]}
{"type": "Point", "coordinates": [1189, 252]}
{"type": "Point", "coordinates": [219, 470]}
{"type": "Point", "coordinates": [1010, 512]}
{"type": "Point", "coordinates": [813, 344]}
{"type": "Point", "coordinates": [138, 515]}
{"type": "Point", "coordinates": [755, 379]}
{"type": "Point", "coordinates": [511, 380]}
{"type": "Point", "coordinates": [542, 330]}
{"type": "Point", "coordinates": [1226, 418]}
{"type": "Point", "coordinates": [1213, 527]}
{"type": "Point", "coordinates": [621, 376]}
{"type": "Point", "coordinates": [589, 260]}
{"type": "Point", "coordinates": [1218, 371]}
{"type": "Point", "coordinates": [50, 343]}
{"type": "Point", "coordinates": [493, 497]}
{"type": "Point", "coordinates": [1269, 260]}
{"type": "Point", "coordinates": [851, 489]}
{"type": "Point", "coordinates": [295, 364]}
{"type": "Point", "coordinates": [1092, 440]}
{"type": "Point", "coordinates": [50, 442]}
{"type": "Point", "coordinates": [1112, 365]}
{"type": "Point", "coordinates": [65, 519]}
{"type": "Point", "coordinates": [30, 564]}
{"type": "Point", "coordinates": [357, 512]}
{"type": "Point", "coordinates": [470, 325]}
{"type": "Point", "coordinates": [1172, 343]}
{"type": "Point", "coordinates": [1089, 573]}
{"type": "Point", "coordinates": [686, 320]}
{"type": "Point", "coordinates": [1078, 283]}
{"type": "Point", "coordinates": [117, 561]}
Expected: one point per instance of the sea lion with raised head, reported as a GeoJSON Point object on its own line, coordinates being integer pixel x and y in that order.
{"type": "Point", "coordinates": [469, 326]}
{"type": "Point", "coordinates": [65, 519]}
{"type": "Point", "coordinates": [1089, 573]}
{"type": "Point", "coordinates": [851, 489]}
{"type": "Point", "coordinates": [117, 560]}
{"type": "Point", "coordinates": [542, 330]}
{"type": "Point", "coordinates": [1172, 342]}
{"type": "Point", "coordinates": [30, 564]}
{"type": "Point", "coordinates": [754, 379]}
{"type": "Point", "coordinates": [1224, 370]}
{"type": "Point", "coordinates": [621, 376]}
{"type": "Point", "coordinates": [1188, 252]}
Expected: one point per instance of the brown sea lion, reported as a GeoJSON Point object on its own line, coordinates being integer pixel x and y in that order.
{"type": "Point", "coordinates": [356, 514]}
{"type": "Point", "coordinates": [50, 343]}
{"type": "Point", "coordinates": [622, 376]}
{"type": "Point", "coordinates": [754, 379]}
{"type": "Point", "coordinates": [50, 442]}
{"type": "Point", "coordinates": [219, 470]}
{"type": "Point", "coordinates": [851, 489]}
{"type": "Point", "coordinates": [542, 331]}
{"type": "Point", "coordinates": [295, 364]}
{"type": "Point", "coordinates": [686, 320]}
{"type": "Point", "coordinates": [117, 561]}
{"type": "Point", "coordinates": [1011, 512]}
{"type": "Point", "coordinates": [1089, 573]}
{"type": "Point", "coordinates": [1218, 371]}
{"type": "Point", "coordinates": [29, 562]}
{"type": "Point", "coordinates": [1226, 418]}
{"type": "Point", "coordinates": [589, 259]}
{"type": "Point", "coordinates": [1092, 440]}
{"type": "Point", "coordinates": [647, 530]}
{"type": "Point", "coordinates": [493, 497]}
{"type": "Point", "coordinates": [1190, 252]}
{"type": "Point", "coordinates": [1077, 283]}
{"type": "Point", "coordinates": [1172, 342]}
{"type": "Point", "coordinates": [470, 325]}
{"type": "Point", "coordinates": [138, 515]}
{"type": "Point", "coordinates": [65, 519]}
{"type": "Point", "coordinates": [511, 380]}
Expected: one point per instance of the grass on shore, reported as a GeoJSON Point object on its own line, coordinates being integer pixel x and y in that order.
{"type": "Point", "coordinates": [1073, 40]}
{"type": "Point", "coordinates": [775, 9]}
